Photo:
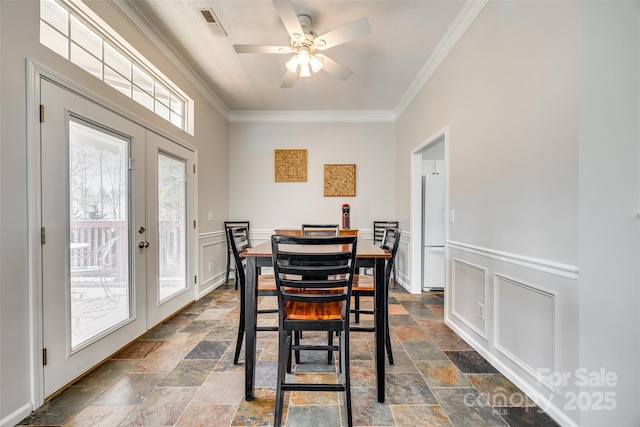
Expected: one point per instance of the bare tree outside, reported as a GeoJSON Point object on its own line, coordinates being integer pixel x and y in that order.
{"type": "Point", "coordinates": [98, 230]}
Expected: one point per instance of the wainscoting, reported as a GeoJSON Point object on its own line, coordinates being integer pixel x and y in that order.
{"type": "Point", "coordinates": [520, 313]}
{"type": "Point", "coordinates": [212, 261]}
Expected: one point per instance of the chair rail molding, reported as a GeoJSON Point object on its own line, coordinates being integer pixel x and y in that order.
{"type": "Point", "coordinates": [552, 267]}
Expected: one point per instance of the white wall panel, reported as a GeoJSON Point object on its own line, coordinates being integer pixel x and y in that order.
{"type": "Point", "coordinates": [525, 325]}
{"type": "Point", "coordinates": [212, 262]}
{"type": "Point", "coordinates": [468, 289]}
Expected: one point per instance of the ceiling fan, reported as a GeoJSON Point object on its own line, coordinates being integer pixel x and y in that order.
{"type": "Point", "coordinates": [307, 46]}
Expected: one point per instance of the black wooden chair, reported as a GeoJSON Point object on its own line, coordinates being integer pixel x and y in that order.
{"type": "Point", "coordinates": [238, 238]}
{"type": "Point", "coordinates": [363, 286]}
{"type": "Point", "coordinates": [378, 232]}
{"type": "Point", "coordinates": [228, 225]}
{"type": "Point", "coordinates": [320, 229]}
{"type": "Point", "coordinates": [314, 279]}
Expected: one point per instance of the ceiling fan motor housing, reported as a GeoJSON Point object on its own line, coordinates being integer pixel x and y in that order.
{"type": "Point", "coordinates": [306, 39]}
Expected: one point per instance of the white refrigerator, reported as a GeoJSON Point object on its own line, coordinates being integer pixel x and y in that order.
{"type": "Point", "coordinates": [433, 232]}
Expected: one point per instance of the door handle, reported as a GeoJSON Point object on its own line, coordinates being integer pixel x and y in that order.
{"type": "Point", "coordinates": [143, 244]}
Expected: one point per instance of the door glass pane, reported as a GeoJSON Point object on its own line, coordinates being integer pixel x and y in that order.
{"type": "Point", "coordinates": [98, 232]}
{"type": "Point", "coordinates": [172, 227]}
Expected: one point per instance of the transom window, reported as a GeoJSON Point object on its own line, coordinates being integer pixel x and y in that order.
{"type": "Point", "coordinates": [74, 39]}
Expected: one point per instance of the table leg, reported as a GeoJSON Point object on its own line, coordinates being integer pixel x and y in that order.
{"type": "Point", "coordinates": [380, 325]}
{"type": "Point", "coordinates": [251, 298]}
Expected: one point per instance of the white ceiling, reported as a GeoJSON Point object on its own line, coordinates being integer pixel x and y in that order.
{"type": "Point", "coordinates": [404, 35]}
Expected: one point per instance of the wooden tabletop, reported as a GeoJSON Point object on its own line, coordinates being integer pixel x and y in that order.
{"type": "Point", "coordinates": [365, 249]}
{"type": "Point", "coordinates": [298, 231]}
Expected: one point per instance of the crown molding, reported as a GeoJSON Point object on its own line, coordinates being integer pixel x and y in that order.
{"type": "Point", "coordinates": [300, 116]}
{"type": "Point", "coordinates": [463, 20]}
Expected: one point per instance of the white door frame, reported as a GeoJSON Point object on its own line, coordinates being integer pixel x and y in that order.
{"type": "Point", "coordinates": [34, 74]}
{"type": "Point", "coordinates": [415, 248]}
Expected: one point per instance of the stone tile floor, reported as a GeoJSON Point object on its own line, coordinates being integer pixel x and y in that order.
{"type": "Point", "coordinates": [181, 373]}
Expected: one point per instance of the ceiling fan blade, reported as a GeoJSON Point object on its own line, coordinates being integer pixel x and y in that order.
{"type": "Point", "coordinates": [253, 48]}
{"type": "Point", "coordinates": [289, 18]}
{"type": "Point", "coordinates": [350, 31]}
{"type": "Point", "coordinates": [335, 68]}
{"type": "Point", "coordinates": [289, 79]}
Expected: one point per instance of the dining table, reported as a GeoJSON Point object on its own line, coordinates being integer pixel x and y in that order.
{"type": "Point", "coordinates": [368, 255]}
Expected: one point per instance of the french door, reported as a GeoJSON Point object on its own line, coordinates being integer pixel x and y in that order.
{"type": "Point", "coordinates": [116, 205]}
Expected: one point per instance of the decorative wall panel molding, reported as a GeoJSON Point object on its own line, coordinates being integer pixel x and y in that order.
{"type": "Point", "coordinates": [563, 270]}
{"type": "Point", "coordinates": [525, 326]}
{"type": "Point", "coordinates": [468, 290]}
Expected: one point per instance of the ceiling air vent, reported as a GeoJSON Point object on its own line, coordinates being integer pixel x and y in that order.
{"type": "Point", "coordinates": [213, 22]}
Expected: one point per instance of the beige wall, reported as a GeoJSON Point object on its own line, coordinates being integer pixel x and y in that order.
{"type": "Point", "coordinates": [509, 93]}
{"type": "Point", "coordinates": [255, 196]}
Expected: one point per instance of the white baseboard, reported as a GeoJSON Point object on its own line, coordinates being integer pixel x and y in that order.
{"type": "Point", "coordinates": [209, 286]}
{"type": "Point", "coordinates": [542, 401]}
{"type": "Point", "coordinates": [16, 416]}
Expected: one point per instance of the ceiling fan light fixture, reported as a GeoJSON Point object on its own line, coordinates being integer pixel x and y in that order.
{"type": "Point", "coordinates": [319, 43]}
{"type": "Point", "coordinates": [303, 55]}
{"type": "Point", "coordinates": [316, 63]}
{"type": "Point", "coordinates": [304, 71]}
{"type": "Point", "coordinates": [292, 64]}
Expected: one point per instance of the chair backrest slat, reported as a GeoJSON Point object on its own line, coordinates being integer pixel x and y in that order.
{"type": "Point", "coordinates": [379, 227]}
{"type": "Point", "coordinates": [234, 224]}
{"type": "Point", "coordinates": [320, 230]}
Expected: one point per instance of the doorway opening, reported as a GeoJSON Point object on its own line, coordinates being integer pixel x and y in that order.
{"type": "Point", "coordinates": [429, 208]}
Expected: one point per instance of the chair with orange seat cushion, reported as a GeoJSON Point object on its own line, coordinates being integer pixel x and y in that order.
{"type": "Point", "coordinates": [314, 277]}
{"type": "Point", "coordinates": [238, 238]}
{"type": "Point", "coordinates": [363, 286]}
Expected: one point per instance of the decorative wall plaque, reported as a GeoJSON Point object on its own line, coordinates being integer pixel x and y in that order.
{"type": "Point", "coordinates": [290, 165]}
{"type": "Point", "coordinates": [339, 180]}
